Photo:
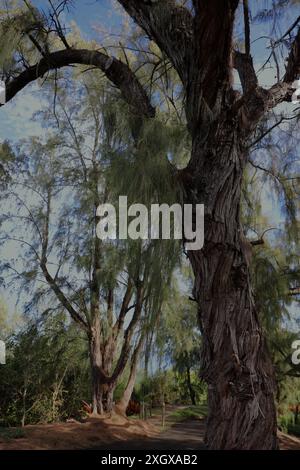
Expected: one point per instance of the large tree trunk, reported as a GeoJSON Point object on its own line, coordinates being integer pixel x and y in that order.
{"type": "Point", "coordinates": [102, 388]}
{"type": "Point", "coordinates": [124, 401]}
{"type": "Point", "coordinates": [108, 396]}
{"type": "Point", "coordinates": [96, 363]}
{"type": "Point", "coordinates": [103, 385]}
{"type": "Point", "coordinates": [235, 360]}
{"type": "Point", "coordinates": [102, 394]}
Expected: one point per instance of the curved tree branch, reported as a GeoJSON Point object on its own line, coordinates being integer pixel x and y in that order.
{"type": "Point", "coordinates": [115, 70]}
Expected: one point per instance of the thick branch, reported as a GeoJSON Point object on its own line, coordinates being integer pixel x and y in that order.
{"type": "Point", "coordinates": [293, 62]}
{"type": "Point", "coordinates": [63, 299]}
{"type": "Point", "coordinates": [124, 401]}
{"type": "Point", "coordinates": [283, 91]}
{"type": "Point", "coordinates": [247, 27]}
{"type": "Point", "coordinates": [257, 102]}
{"type": "Point", "coordinates": [125, 352]}
{"type": "Point", "coordinates": [260, 241]}
{"type": "Point", "coordinates": [169, 25]}
{"type": "Point", "coordinates": [244, 65]}
{"type": "Point", "coordinates": [115, 70]}
{"type": "Point", "coordinates": [124, 309]}
{"type": "Point", "coordinates": [210, 70]}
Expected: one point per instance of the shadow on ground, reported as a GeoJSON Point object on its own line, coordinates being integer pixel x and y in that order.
{"type": "Point", "coordinates": [185, 435]}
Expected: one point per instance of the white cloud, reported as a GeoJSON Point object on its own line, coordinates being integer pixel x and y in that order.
{"type": "Point", "coordinates": [16, 116]}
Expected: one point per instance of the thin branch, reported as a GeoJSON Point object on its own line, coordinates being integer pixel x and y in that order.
{"type": "Point", "coordinates": [57, 23]}
{"type": "Point", "coordinates": [247, 27]}
{"type": "Point", "coordinates": [288, 32]}
{"type": "Point", "coordinates": [260, 241]}
{"type": "Point", "coordinates": [264, 134]}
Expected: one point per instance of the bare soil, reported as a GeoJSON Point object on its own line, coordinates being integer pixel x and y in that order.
{"type": "Point", "coordinates": [75, 435]}
{"type": "Point", "coordinates": [120, 433]}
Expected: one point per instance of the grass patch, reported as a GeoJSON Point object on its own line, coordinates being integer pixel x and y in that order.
{"type": "Point", "coordinates": [294, 429]}
{"type": "Point", "coordinates": [197, 411]}
{"type": "Point", "coordinates": [11, 433]}
{"type": "Point", "coordinates": [176, 416]}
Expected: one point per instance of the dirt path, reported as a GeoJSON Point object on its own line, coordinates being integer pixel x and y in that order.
{"type": "Point", "coordinates": [185, 435]}
{"type": "Point", "coordinates": [119, 433]}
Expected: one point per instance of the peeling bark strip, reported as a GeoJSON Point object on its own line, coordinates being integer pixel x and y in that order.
{"type": "Point", "coordinates": [115, 70]}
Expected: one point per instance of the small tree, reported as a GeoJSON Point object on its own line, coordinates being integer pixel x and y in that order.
{"type": "Point", "coordinates": [112, 291]}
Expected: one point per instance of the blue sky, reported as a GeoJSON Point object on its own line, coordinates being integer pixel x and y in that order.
{"type": "Point", "coordinates": [87, 13]}
{"type": "Point", "coordinates": [15, 116]}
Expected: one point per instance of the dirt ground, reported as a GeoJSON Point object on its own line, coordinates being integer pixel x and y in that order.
{"type": "Point", "coordinates": [120, 433]}
{"type": "Point", "coordinates": [288, 442]}
{"type": "Point", "coordinates": [75, 435]}
{"type": "Point", "coordinates": [184, 435]}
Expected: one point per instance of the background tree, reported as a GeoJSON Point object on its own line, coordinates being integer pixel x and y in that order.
{"type": "Point", "coordinates": [112, 291]}
{"type": "Point", "coordinates": [178, 338]}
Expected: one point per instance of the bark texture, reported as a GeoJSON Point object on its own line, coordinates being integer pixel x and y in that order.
{"type": "Point", "coordinates": [123, 403]}
{"type": "Point", "coordinates": [235, 360]}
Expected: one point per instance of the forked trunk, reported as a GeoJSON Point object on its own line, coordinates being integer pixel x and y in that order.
{"type": "Point", "coordinates": [102, 386]}
{"type": "Point", "coordinates": [235, 361]}
{"type": "Point", "coordinates": [102, 395]}
{"type": "Point", "coordinates": [124, 401]}
{"type": "Point", "coordinates": [96, 394]}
